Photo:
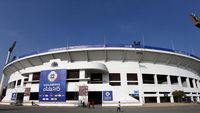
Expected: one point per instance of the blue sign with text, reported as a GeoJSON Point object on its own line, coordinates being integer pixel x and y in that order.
{"type": "Point", "coordinates": [52, 86]}
{"type": "Point", "coordinates": [136, 93]}
{"type": "Point", "coordinates": [14, 96]}
{"type": "Point", "coordinates": [107, 96]}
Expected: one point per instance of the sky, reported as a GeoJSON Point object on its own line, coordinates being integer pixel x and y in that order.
{"type": "Point", "coordinates": [39, 25]}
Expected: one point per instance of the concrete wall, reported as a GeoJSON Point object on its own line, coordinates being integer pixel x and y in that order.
{"type": "Point", "coordinates": [120, 93]}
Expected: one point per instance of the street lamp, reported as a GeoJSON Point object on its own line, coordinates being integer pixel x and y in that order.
{"type": "Point", "coordinates": [195, 20]}
{"type": "Point", "coordinates": [6, 62]}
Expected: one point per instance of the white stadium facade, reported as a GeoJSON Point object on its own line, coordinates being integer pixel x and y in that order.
{"type": "Point", "coordinates": [105, 74]}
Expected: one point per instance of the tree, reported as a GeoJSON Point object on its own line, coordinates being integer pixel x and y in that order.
{"type": "Point", "coordinates": [178, 94]}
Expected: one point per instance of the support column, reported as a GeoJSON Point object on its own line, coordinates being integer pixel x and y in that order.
{"type": "Point", "coordinates": [30, 78]}
{"type": "Point", "coordinates": [28, 85]}
{"type": "Point", "coordinates": [179, 81]}
{"type": "Point", "coordinates": [188, 82]}
{"type": "Point", "coordinates": [194, 84]}
{"type": "Point", "coordinates": [123, 79]}
{"type": "Point", "coordinates": [82, 75]}
{"type": "Point", "coordinates": [192, 99]}
{"type": "Point", "coordinates": [140, 84]}
{"type": "Point", "coordinates": [168, 80]}
{"type": "Point", "coordinates": [198, 83]}
{"type": "Point", "coordinates": [158, 98]}
{"type": "Point", "coordinates": [171, 99]}
{"type": "Point", "coordinates": [155, 79]}
{"type": "Point", "coordinates": [198, 99]}
{"type": "Point", "coordinates": [156, 83]}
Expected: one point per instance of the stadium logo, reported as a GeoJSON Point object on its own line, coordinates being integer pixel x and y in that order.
{"type": "Point", "coordinates": [52, 76]}
{"type": "Point", "coordinates": [107, 94]}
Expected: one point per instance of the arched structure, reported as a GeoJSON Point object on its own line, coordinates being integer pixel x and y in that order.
{"type": "Point", "coordinates": [105, 74]}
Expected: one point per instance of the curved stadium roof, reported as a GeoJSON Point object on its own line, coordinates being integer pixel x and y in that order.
{"type": "Point", "coordinates": [108, 51]}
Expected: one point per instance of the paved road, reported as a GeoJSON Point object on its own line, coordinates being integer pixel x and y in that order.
{"type": "Point", "coordinates": [98, 109]}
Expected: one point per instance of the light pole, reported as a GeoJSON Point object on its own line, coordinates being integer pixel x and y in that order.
{"type": "Point", "coordinates": [7, 60]}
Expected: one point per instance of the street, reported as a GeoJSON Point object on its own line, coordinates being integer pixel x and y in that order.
{"type": "Point", "coordinates": [99, 109]}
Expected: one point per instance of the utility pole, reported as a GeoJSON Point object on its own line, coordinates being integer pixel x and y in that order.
{"type": "Point", "coordinates": [6, 62]}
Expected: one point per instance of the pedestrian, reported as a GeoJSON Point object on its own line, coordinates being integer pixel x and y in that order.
{"type": "Point", "coordinates": [92, 103]}
{"type": "Point", "coordinates": [32, 103]}
{"type": "Point", "coordinates": [89, 104]}
{"type": "Point", "coordinates": [119, 107]}
{"type": "Point", "coordinates": [83, 103]}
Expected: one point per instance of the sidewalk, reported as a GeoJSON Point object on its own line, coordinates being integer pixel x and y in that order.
{"type": "Point", "coordinates": [169, 104]}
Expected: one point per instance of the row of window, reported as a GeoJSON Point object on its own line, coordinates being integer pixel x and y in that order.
{"type": "Point", "coordinates": [19, 82]}
{"type": "Point", "coordinates": [162, 79]}
{"type": "Point", "coordinates": [186, 99]}
{"type": "Point", "coordinates": [169, 93]}
{"type": "Point", "coordinates": [115, 79]}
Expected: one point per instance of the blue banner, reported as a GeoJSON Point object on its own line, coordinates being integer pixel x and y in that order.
{"type": "Point", "coordinates": [52, 86]}
{"type": "Point", "coordinates": [14, 96]}
{"type": "Point", "coordinates": [136, 93]}
{"type": "Point", "coordinates": [107, 96]}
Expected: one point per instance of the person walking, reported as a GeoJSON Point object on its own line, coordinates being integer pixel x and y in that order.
{"type": "Point", "coordinates": [83, 104]}
{"type": "Point", "coordinates": [119, 107]}
{"type": "Point", "coordinates": [92, 103]}
{"type": "Point", "coordinates": [89, 104]}
{"type": "Point", "coordinates": [32, 103]}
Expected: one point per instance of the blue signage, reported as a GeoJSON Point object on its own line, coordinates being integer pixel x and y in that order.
{"type": "Point", "coordinates": [107, 96]}
{"type": "Point", "coordinates": [52, 86]}
{"type": "Point", "coordinates": [14, 96]}
{"type": "Point", "coordinates": [136, 93]}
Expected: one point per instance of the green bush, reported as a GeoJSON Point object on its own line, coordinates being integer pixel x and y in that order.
{"type": "Point", "coordinates": [178, 94]}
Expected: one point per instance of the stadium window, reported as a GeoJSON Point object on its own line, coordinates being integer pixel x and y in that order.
{"type": "Point", "coordinates": [150, 99]}
{"type": "Point", "coordinates": [162, 79]}
{"type": "Point", "coordinates": [36, 76]}
{"type": "Point", "coordinates": [114, 79]}
{"type": "Point", "coordinates": [25, 81]}
{"type": "Point", "coordinates": [96, 78]}
{"type": "Point", "coordinates": [71, 95]}
{"type": "Point", "coordinates": [196, 83]}
{"type": "Point", "coordinates": [72, 76]}
{"type": "Point", "coordinates": [13, 84]}
{"type": "Point", "coordinates": [148, 78]}
{"type": "Point", "coordinates": [114, 76]}
{"type": "Point", "coordinates": [149, 92]}
{"type": "Point", "coordinates": [183, 81]}
{"type": "Point", "coordinates": [9, 85]}
{"type": "Point", "coordinates": [34, 96]}
{"type": "Point", "coordinates": [194, 92]}
{"type": "Point", "coordinates": [19, 82]}
{"type": "Point", "coordinates": [132, 83]}
{"type": "Point", "coordinates": [174, 80]}
{"type": "Point", "coordinates": [132, 79]}
{"type": "Point", "coordinates": [191, 82]}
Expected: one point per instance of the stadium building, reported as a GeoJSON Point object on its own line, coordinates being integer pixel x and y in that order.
{"type": "Point", "coordinates": [105, 74]}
